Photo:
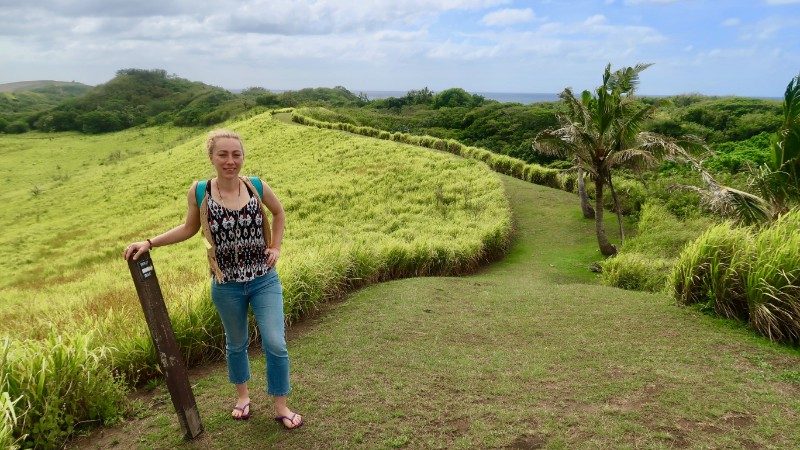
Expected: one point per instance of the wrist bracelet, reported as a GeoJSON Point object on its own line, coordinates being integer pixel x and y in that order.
{"type": "Point", "coordinates": [151, 244]}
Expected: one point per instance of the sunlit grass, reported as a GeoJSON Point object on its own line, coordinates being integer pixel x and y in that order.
{"type": "Point", "coordinates": [358, 210]}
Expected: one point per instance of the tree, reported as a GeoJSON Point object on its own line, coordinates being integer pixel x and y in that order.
{"type": "Point", "coordinates": [601, 132]}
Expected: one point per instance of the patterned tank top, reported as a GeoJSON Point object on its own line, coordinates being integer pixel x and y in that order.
{"type": "Point", "coordinates": [239, 239]}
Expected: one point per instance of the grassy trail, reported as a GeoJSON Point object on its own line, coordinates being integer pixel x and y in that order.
{"type": "Point", "coordinates": [528, 353]}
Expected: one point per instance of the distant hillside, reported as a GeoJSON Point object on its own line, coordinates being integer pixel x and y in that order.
{"type": "Point", "coordinates": [142, 97]}
{"type": "Point", "coordinates": [37, 84]}
{"type": "Point", "coordinates": [22, 99]}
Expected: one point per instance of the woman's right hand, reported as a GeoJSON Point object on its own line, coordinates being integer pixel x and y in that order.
{"type": "Point", "coordinates": [135, 249]}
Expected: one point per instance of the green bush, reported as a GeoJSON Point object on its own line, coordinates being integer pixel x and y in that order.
{"type": "Point", "coordinates": [635, 271]}
{"type": "Point", "coordinates": [751, 276]}
{"type": "Point", "coordinates": [17, 127]}
{"type": "Point", "coordinates": [55, 385]}
{"type": "Point", "coordinates": [772, 281]}
{"type": "Point", "coordinates": [734, 157]}
{"type": "Point", "coordinates": [100, 122]}
{"type": "Point", "coordinates": [455, 97]}
{"type": "Point", "coordinates": [661, 234]}
{"type": "Point", "coordinates": [711, 271]}
{"type": "Point", "coordinates": [645, 261]}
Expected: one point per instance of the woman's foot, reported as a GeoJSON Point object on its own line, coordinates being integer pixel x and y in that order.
{"type": "Point", "coordinates": [288, 418]}
{"type": "Point", "coordinates": [242, 409]}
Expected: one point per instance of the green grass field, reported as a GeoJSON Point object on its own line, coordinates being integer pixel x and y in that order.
{"type": "Point", "coordinates": [74, 201]}
{"type": "Point", "coordinates": [529, 353]}
{"type": "Point", "coordinates": [358, 210]}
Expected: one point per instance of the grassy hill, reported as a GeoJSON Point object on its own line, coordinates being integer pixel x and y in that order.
{"type": "Point", "coordinates": [35, 85]}
{"type": "Point", "coordinates": [23, 99]}
{"type": "Point", "coordinates": [528, 353]}
{"type": "Point", "coordinates": [358, 210]}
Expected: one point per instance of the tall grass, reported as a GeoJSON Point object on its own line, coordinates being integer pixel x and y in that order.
{"type": "Point", "coordinates": [630, 192]}
{"type": "Point", "coordinates": [645, 260]}
{"type": "Point", "coordinates": [52, 387]}
{"type": "Point", "coordinates": [772, 283]}
{"type": "Point", "coordinates": [358, 211]}
{"type": "Point", "coordinates": [749, 275]}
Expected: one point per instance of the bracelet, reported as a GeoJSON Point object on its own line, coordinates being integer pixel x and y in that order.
{"type": "Point", "coordinates": [151, 244]}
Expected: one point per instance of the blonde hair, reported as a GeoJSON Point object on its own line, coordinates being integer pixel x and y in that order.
{"type": "Point", "coordinates": [219, 134]}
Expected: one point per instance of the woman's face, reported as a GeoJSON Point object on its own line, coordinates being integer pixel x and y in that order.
{"type": "Point", "coordinates": [227, 157]}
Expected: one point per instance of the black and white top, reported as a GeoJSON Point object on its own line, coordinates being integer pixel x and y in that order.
{"type": "Point", "coordinates": [239, 239]}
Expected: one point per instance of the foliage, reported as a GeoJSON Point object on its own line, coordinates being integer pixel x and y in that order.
{"type": "Point", "coordinates": [456, 97]}
{"type": "Point", "coordinates": [16, 127]}
{"type": "Point", "coordinates": [645, 260]}
{"type": "Point", "coordinates": [636, 271]}
{"type": "Point", "coordinates": [714, 119]}
{"type": "Point", "coordinates": [27, 99]}
{"type": "Point", "coordinates": [749, 275]}
{"type": "Point", "coordinates": [777, 182]}
{"type": "Point", "coordinates": [736, 156]}
{"type": "Point", "coordinates": [101, 122]}
{"type": "Point", "coordinates": [56, 385]}
{"type": "Point", "coordinates": [601, 133]}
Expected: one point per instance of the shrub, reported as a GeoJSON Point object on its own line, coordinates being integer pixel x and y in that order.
{"type": "Point", "coordinates": [710, 271]}
{"type": "Point", "coordinates": [663, 235]}
{"type": "Point", "coordinates": [646, 259]}
{"type": "Point", "coordinates": [17, 127]}
{"type": "Point", "coordinates": [58, 383]}
{"type": "Point", "coordinates": [636, 271]}
{"type": "Point", "coordinates": [100, 122]}
{"type": "Point", "coordinates": [772, 282]}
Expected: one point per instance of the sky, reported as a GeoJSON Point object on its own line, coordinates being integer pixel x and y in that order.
{"type": "Point", "coordinates": [720, 47]}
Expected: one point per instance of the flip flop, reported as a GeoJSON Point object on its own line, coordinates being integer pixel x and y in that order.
{"type": "Point", "coordinates": [290, 419]}
{"type": "Point", "coordinates": [243, 416]}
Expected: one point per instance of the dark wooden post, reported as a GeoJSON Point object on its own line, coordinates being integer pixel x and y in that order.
{"type": "Point", "coordinates": [155, 313]}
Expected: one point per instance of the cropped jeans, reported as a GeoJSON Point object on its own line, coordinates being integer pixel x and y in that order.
{"type": "Point", "coordinates": [265, 296]}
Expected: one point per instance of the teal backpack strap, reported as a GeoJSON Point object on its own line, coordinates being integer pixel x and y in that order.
{"type": "Point", "coordinates": [200, 191]}
{"type": "Point", "coordinates": [259, 187]}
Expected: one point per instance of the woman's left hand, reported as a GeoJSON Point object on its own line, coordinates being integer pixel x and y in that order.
{"type": "Point", "coordinates": [272, 256]}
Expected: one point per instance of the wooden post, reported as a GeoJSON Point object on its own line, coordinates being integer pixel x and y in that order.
{"type": "Point", "coordinates": [155, 313]}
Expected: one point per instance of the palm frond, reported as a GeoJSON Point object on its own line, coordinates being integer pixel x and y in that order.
{"type": "Point", "coordinates": [626, 80]}
{"type": "Point", "coordinates": [634, 158]}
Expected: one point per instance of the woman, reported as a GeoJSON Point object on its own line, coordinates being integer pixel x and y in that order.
{"type": "Point", "coordinates": [242, 252]}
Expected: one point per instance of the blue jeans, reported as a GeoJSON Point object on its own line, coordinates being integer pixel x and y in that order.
{"type": "Point", "coordinates": [265, 295]}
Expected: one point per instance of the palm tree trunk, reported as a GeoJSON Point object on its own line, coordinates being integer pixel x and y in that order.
{"type": "Point", "coordinates": [586, 207]}
{"type": "Point", "coordinates": [619, 210]}
{"type": "Point", "coordinates": [606, 248]}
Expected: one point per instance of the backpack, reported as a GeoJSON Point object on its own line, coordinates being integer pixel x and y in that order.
{"type": "Point", "coordinates": [200, 191]}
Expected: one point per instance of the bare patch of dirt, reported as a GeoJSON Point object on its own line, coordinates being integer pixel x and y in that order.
{"type": "Point", "coordinates": [678, 438]}
{"type": "Point", "coordinates": [637, 399]}
{"type": "Point", "coordinates": [738, 420]}
{"type": "Point", "coordinates": [529, 441]}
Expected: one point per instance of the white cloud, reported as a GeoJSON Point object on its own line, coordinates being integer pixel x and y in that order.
{"type": "Point", "coordinates": [597, 19]}
{"type": "Point", "coordinates": [769, 28]}
{"type": "Point", "coordinates": [782, 2]}
{"type": "Point", "coordinates": [645, 2]}
{"type": "Point", "coordinates": [731, 22]}
{"type": "Point", "coordinates": [508, 17]}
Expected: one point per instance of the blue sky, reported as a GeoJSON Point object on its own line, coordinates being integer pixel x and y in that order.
{"type": "Point", "coordinates": [724, 47]}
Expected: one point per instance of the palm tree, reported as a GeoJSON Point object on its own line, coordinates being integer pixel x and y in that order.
{"type": "Point", "coordinates": [601, 132]}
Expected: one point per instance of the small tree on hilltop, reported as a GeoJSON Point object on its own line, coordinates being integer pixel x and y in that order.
{"type": "Point", "coordinates": [601, 132]}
